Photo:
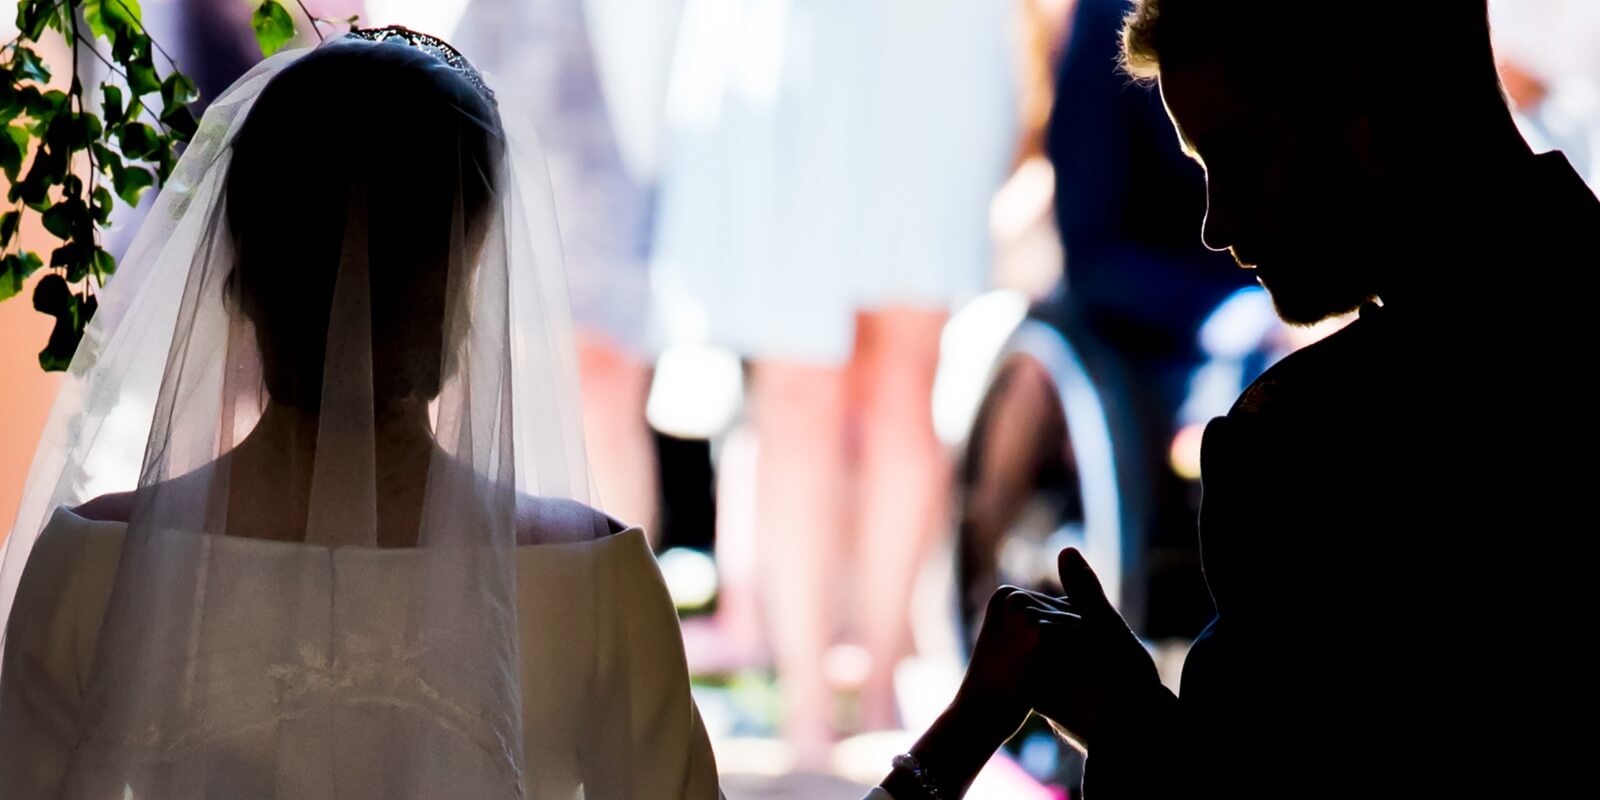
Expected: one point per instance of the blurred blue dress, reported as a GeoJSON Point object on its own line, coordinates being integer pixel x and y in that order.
{"type": "Point", "coordinates": [825, 157]}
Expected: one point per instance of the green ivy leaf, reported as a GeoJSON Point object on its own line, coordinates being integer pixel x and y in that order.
{"type": "Point", "coordinates": [165, 163]}
{"type": "Point", "coordinates": [81, 264]}
{"type": "Point", "coordinates": [10, 98]}
{"type": "Point", "coordinates": [139, 141]}
{"type": "Point", "coordinates": [14, 269]}
{"type": "Point", "coordinates": [57, 353]}
{"type": "Point", "coordinates": [68, 220]}
{"type": "Point", "coordinates": [39, 206]}
{"type": "Point", "coordinates": [58, 134]}
{"type": "Point", "coordinates": [94, 15]}
{"type": "Point", "coordinates": [125, 49]}
{"type": "Point", "coordinates": [58, 221]}
{"type": "Point", "coordinates": [129, 8]}
{"type": "Point", "coordinates": [131, 182]}
{"type": "Point", "coordinates": [43, 106]}
{"type": "Point", "coordinates": [61, 21]}
{"type": "Point", "coordinates": [180, 123]}
{"type": "Point", "coordinates": [13, 148]}
{"type": "Point", "coordinates": [142, 78]}
{"type": "Point", "coordinates": [23, 99]}
{"type": "Point", "coordinates": [44, 132]}
{"type": "Point", "coordinates": [10, 278]}
{"type": "Point", "coordinates": [177, 90]}
{"type": "Point", "coordinates": [104, 265]}
{"type": "Point", "coordinates": [273, 26]}
{"type": "Point", "coordinates": [80, 220]}
{"type": "Point", "coordinates": [32, 17]}
{"type": "Point", "coordinates": [86, 130]}
{"type": "Point", "coordinates": [32, 191]}
{"type": "Point", "coordinates": [49, 167]}
{"type": "Point", "coordinates": [51, 296]}
{"type": "Point", "coordinates": [106, 159]}
{"type": "Point", "coordinates": [27, 64]}
{"type": "Point", "coordinates": [75, 314]}
{"type": "Point", "coordinates": [102, 205]}
{"type": "Point", "coordinates": [9, 222]}
{"type": "Point", "coordinates": [74, 257]}
{"type": "Point", "coordinates": [111, 103]}
{"type": "Point", "coordinates": [82, 223]}
{"type": "Point", "coordinates": [112, 19]}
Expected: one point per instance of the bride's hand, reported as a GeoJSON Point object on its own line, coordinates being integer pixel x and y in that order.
{"type": "Point", "coordinates": [996, 693]}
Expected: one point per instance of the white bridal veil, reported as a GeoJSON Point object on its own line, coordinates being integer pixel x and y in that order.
{"type": "Point", "coordinates": [341, 331]}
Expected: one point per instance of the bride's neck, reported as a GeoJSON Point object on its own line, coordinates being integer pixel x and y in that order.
{"type": "Point", "coordinates": [281, 459]}
{"type": "Point", "coordinates": [399, 431]}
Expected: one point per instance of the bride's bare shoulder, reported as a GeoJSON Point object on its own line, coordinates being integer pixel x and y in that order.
{"type": "Point", "coordinates": [549, 520]}
{"type": "Point", "coordinates": [540, 520]}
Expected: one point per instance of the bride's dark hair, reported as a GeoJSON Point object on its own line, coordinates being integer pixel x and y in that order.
{"type": "Point", "coordinates": [380, 136]}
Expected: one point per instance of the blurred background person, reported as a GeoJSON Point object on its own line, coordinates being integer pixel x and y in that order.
{"type": "Point", "coordinates": [587, 76]}
{"type": "Point", "coordinates": [1550, 63]}
{"type": "Point", "coordinates": [825, 204]}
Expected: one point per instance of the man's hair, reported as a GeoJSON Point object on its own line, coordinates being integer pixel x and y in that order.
{"type": "Point", "coordinates": [1141, 49]}
{"type": "Point", "coordinates": [1428, 53]}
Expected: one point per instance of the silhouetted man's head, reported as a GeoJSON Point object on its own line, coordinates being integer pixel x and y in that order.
{"type": "Point", "coordinates": [1322, 125]}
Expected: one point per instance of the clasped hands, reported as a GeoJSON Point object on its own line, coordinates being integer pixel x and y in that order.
{"type": "Point", "coordinates": [1071, 658]}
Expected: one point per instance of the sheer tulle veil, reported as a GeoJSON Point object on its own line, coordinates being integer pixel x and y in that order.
{"type": "Point", "coordinates": [343, 325]}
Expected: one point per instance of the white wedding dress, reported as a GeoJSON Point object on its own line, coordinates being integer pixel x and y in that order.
{"type": "Point", "coordinates": [605, 690]}
{"type": "Point", "coordinates": [361, 559]}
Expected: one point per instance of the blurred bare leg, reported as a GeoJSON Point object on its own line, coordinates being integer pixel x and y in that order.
{"type": "Point", "coordinates": [614, 386]}
{"type": "Point", "coordinates": [799, 422]}
{"type": "Point", "coordinates": [904, 483]}
{"type": "Point", "coordinates": [1023, 429]}
{"type": "Point", "coordinates": [1020, 428]}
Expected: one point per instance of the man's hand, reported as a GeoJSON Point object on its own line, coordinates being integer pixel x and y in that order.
{"type": "Point", "coordinates": [1090, 667]}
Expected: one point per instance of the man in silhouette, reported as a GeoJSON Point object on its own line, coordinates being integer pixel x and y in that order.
{"type": "Point", "coordinates": [1393, 527]}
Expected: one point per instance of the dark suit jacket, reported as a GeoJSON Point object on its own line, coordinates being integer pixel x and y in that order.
{"type": "Point", "coordinates": [1396, 533]}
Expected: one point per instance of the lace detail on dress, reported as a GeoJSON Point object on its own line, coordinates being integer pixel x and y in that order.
{"type": "Point", "coordinates": [364, 672]}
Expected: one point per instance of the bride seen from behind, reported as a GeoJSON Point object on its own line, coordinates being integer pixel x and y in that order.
{"type": "Point", "coordinates": [357, 558]}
